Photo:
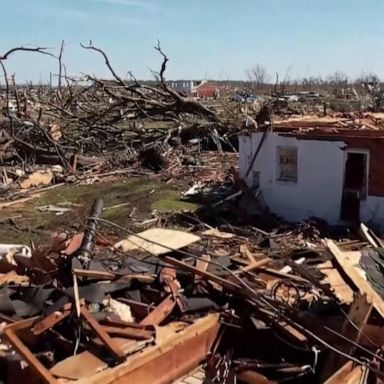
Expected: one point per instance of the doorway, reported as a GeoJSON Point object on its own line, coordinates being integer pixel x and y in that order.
{"type": "Point", "coordinates": [355, 185]}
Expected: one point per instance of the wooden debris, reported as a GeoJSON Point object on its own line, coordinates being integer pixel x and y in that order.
{"type": "Point", "coordinates": [370, 236]}
{"type": "Point", "coordinates": [158, 241]}
{"type": "Point", "coordinates": [332, 277]}
{"type": "Point", "coordinates": [349, 262]}
{"type": "Point", "coordinates": [155, 316]}
{"type": "Point", "coordinates": [102, 334]}
{"type": "Point", "coordinates": [36, 366]}
{"type": "Point", "coordinates": [36, 179]}
{"type": "Point", "coordinates": [217, 233]}
{"type": "Point", "coordinates": [13, 277]}
{"type": "Point", "coordinates": [160, 313]}
{"type": "Point", "coordinates": [165, 363]}
{"type": "Point", "coordinates": [78, 366]}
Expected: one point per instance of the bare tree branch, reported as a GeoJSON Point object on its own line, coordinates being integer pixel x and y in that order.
{"type": "Point", "coordinates": [163, 64]}
{"type": "Point", "coordinates": [41, 50]}
{"type": "Point", "coordinates": [107, 62]}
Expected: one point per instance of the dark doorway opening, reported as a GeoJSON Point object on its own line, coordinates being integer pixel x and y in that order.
{"type": "Point", "coordinates": [355, 186]}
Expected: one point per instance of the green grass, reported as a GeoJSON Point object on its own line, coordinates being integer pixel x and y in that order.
{"type": "Point", "coordinates": [135, 191]}
{"type": "Point", "coordinates": [168, 201]}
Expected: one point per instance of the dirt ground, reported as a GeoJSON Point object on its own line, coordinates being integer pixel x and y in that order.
{"type": "Point", "coordinates": [29, 221]}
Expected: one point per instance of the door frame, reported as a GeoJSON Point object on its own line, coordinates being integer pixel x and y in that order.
{"type": "Point", "coordinates": [361, 151]}
{"type": "Point", "coordinates": [361, 198]}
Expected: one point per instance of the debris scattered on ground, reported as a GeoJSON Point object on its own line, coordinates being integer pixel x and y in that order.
{"type": "Point", "coordinates": [222, 304]}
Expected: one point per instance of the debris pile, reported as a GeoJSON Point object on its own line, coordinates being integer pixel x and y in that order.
{"type": "Point", "coordinates": [359, 121]}
{"type": "Point", "coordinates": [218, 305]}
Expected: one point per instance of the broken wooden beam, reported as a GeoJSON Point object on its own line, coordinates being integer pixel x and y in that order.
{"type": "Point", "coordinates": [160, 313]}
{"type": "Point", "coordinates": [34, 363]}
{"type": "Point", "coordinates": [102, 334]}
{"type": "Point", "coordinates": [209, 276]}
{"type": "Point", "coordinates": [171, 360]}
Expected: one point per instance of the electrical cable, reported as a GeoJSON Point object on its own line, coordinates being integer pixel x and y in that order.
{"type": "Point", "coordinates": [353, 343]}
{"type": "Point", "coordinates": [357, 328]}
{"type": "Point", "coordinates": [257, 296]}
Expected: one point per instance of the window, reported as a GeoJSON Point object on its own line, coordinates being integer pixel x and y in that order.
{"type": "Point", "coordinates": [287, 164]}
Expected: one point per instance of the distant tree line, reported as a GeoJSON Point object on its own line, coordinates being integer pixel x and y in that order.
{"type": "Point", "coordinates": [337, 83]}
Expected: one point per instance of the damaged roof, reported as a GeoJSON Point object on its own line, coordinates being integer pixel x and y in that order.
{"type": "Point", "coordinates": [341, 125]}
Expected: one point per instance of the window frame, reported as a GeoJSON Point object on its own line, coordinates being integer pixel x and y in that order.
{"type": "Point", "coordinates": [279, 164]}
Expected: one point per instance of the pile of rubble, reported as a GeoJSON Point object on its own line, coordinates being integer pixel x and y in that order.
{"type": "Point", "coordinates": [334, 121]}
{"type": "Point", "coordinates": [199, 305]}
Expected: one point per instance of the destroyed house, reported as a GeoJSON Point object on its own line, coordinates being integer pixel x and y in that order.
{"type": "Point", "coordinates": [326, 168]}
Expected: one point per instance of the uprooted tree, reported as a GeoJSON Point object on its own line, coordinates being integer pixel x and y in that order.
{"type": "Point", "coordinates": [90, 115]}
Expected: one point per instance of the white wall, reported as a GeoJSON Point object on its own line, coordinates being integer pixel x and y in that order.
{"type": "Point", "coordinates": [320, 169]}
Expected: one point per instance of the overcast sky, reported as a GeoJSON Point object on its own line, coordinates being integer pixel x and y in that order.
{"type": "Point", "coordinates": [217, 39]}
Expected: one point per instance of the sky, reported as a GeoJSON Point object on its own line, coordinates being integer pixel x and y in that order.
{"type": "Point", "coordinates": [213, 39]}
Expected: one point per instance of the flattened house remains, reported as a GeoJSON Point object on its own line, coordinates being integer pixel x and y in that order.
{"type": "Point", "coordinates": [328, 168]}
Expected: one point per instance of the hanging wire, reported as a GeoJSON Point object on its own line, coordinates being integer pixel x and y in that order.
{"type": "Point", "coordinates": [353, 343]}
{"type": "Point", "coordinates": [357, 328]}
{"type": "Point", "coordinates": [257, 295]}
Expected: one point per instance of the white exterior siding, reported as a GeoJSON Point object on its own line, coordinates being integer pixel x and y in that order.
{"type": "Point", "coordinates": [320, 168]}
{"type": "Point", "coordinates": [320, 176]}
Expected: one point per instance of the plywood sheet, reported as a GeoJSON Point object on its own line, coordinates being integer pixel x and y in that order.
{"type": "Point", "coordinates": [349, 261]}
{"type": "Point", "coordinates": [79, 366]}
{"type": "Point", "coordinates": [158, 241]}
{"type": "Point", "coordinates": [332, 277]}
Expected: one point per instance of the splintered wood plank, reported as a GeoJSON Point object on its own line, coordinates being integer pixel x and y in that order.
{"type": "Point", "coordinates": [158, 241]}
{"type": "Point", "coordinates": [371, 237]}
{"type": "Point", "coordinates": [128, 346]}
{"type": "Point", "coordinates": [167, 332]}
{"type": "Point", "coordinates": [292, 333]}
{"type": "Point", "coordinates": [160, 313]}
{"type": "Point", "coordinates": [76, 295]}
{"type": "Point", "coordinates": [94, 274]}
{"type": "Point", "coordinates": [165, 363]}
{"type": "Point", "coordinates": [358, 314]}
{"type": "Point", "coordinates": [349, 262]}
{"type": "Point", "coordinates": [131, 346]}
{"type": "Point", "coordinates": [79, 366]}
{"type": "Point", "coordinates": [256, 265]}
{"type": "Point", "coordinates": [338, 285]}
{"type": "Point", "coordinates": [340, 375]}
{"type": "Point", "coordinates": [103, 275]}
{"type": "Point", "coordinates": [356, 376]}
{"type": "Point", "coordinates": [247, 253]}
{"type": "Point", "coordinates": [102, 334]}
{"type": "Point", "coordinates": [202, 263]}
{"type": "Point", "coordinates": [28, 356]}
{"type": "Point", "coordinates": [132, 333]}
{"type": "Point", "coordinates": [86, 364]}
{"type": "Point", "coordinates": [279, 274]}
{"type": "Point", "coordinates": [13, 277]}
{"type": "Point", "coordinates": [51, 320]}
{"type": "Point", "coordinates": [207, 275]}
{"type": "Point", "coordinates": [348, 375]}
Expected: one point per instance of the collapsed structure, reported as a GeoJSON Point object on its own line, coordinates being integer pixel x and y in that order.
{"type": "Point", "coordinates": [187, 300]}
{"type": "Point", "coordinates": [326, 167]}
{"type": "Point", "coordinates": [199, 305]}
